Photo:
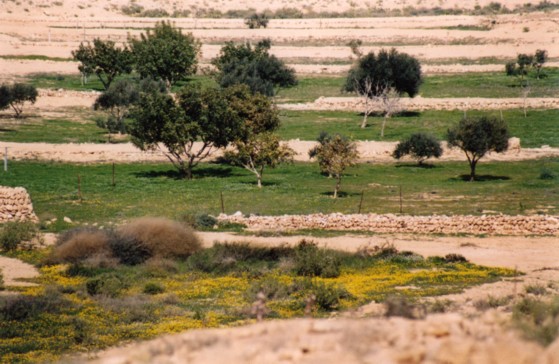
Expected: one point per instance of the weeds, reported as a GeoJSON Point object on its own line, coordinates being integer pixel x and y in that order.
{"type": "Point", "coordinates": [492, 302]}
{"type": "Point", "coordinates": [14, 234]}
{"type": "Point", "coordinates": [538, 320]}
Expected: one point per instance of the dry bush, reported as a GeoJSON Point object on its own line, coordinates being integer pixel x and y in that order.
{"type": "Point", "coordinates": [162, 237]}
{"type": "Point", "coordinates": [82, 244]}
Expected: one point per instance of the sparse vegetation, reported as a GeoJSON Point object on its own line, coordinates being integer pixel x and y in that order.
{"type": "Point", "coordinates": [538, 319]}
{"type": "Point", "coordinates": [14, 234]}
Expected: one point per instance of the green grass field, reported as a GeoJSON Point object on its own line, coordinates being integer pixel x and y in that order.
{"type": "Point", "coordinates": [153, 189]}
{"type": "Point", "coordinates": [541, 127]}
{"type": "Point", "coordinates": [489, 85]}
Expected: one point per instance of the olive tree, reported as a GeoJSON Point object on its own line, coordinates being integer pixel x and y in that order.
{"type": "Point", "coordinates": [253, 66]}
{"type": "Point", "coordinates": [257, 146]}
{"type": "Point", "coordinates": [383, 78]}
{"type": "Point", "coordinates": [256, 21]}
{"type": "Point", "coordinates": [334, 153]}
{"type": "Point", "coordinates": [477, 136]}
{"type": "Point", "coordinates": [186, 129]}
{"type": "Point", "coordinates": [104, 59]}
{"type": "Point", "coordinates": [165, 53]}
{"type": "Point", "coordinates": [419, 146]}
{"type": "Point", "coordinates": [16, 95]}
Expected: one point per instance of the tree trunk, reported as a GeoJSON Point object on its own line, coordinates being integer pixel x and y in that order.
{"type": "Point", "coordinates": [338, 182]}
{"type": "Point", "coordinates": [259, 179]}
{"type": "Point", "coordinates": [364, 122]}
{"type": "Point", "coordinates": [473, 170]}
{"type": "Point", "coordinates": [383, 124]}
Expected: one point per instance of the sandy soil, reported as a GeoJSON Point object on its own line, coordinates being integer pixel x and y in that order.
{"type": "Point", "coordinates": [126, 152]}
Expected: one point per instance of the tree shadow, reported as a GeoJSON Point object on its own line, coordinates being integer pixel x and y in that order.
{"type": "Point", "coordinates": [341, 194]}
{"type": "Point", "coordinates": [480, 178]}
{"type": "Point", "coordinates": [401, 114]}
{"type": "Point", "coordinates": [417, 165]}
{"type": "Point", "coordinates": [264, 183]}
{"type": "Point", "coordinates": [197, 172]}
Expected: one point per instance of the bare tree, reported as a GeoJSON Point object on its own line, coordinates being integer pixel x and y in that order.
{"type": "Point", "coordinates": [389, 101]}
{"type": "Point", "coordinates": [526, 89]}
{"type": "Point", "coordinates": [366, 91]}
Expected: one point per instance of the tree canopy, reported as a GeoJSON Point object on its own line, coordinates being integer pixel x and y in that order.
{"type": "Point", "coordinates": [334, 154]}
{"type": "Point", "coordinates": [477, 136]}
{"type": "Point", "coordinates": [16, 95]}
{"type": "Point", "coordinates": [419, 146]}
{"type": "Point", "coordinates": [254, 67]}
{"type": "Point", "coordinates": [165, 53]}
{"type": "Point", "coordinates": [175, 126]}
{"type": "Point", "coordinates": [257, 146]}
{"type": "Point", "coordinates": [104, 59]}
{"type": "Point", "coordinates": [385, 70]}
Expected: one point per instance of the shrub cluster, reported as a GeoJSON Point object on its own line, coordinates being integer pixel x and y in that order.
{"type": "Point", "coordinates": [130, 244]}
{"type": "Point", "coordinates": [13, 234]}
{"type": "Point", "coordinates": [21, 307]}
{"type": "Point", "coordinates": [538, 319]}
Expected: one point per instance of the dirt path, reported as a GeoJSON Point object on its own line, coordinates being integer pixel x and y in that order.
{"type": "Point", "coordinates": [14, 270]}
{"type": "Point", "coordinates": [126, 152]}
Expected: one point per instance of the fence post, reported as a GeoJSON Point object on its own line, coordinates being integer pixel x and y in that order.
{"type": "Point", "coordinates": [401, 199]}
{"type": "Point", "coordinates": [79, 188]}
{"type": "Point", "coordinates": [114, 184]}
{"type": "Point", "coordinates": [222, 203]}
{"type": "Point", "coordinates": [361, 201]}
{"type": "Point", "coordinates": [6, 159]}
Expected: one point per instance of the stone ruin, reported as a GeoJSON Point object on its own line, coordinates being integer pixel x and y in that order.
{"type": "Point", "coordinates": [15, 205]}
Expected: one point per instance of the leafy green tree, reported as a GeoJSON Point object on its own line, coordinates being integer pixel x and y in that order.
{"type": "Point", "coordinates": [165, 54]}
{"type": "Point", "coordinates": [478, 136]}
{"type": "Point", "coordinates": [255, 67]}
{"type": "Point", "coordinates": [521, 67]}
{"type": "Point", "coordinates": [419, 146]}
{"type": "Point", "coordinates": [16, 95]}
{"type": "Point", "coordinates": [258, 151]}
{"type": "Point", "coordinates": [187, 130]}
{"type": "Point", "coordinates": [334, 153]}
{"type": "Point", "coordinates": [257, 146]}
{"type": "Point", "coordinates": [256, 21]}
{"type": "Point", "coordinates": [119, 99]}
{"type": "Point", "coordinates": [385, 70]}
{"type": "Point", "coordinates": [540, 57]}
{"type": "Point", "coordinates": [104, 59]}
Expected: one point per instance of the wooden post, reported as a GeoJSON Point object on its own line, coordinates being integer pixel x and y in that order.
{"type": "Point", "coordinates": [401, 199]}
{"type": "Point", "coordinates": [361, 201]}
{"type": "Point", "coordinates": [79, 188]}
{"type": "Point", "coordinates": [6, 159]}
{"type": "Point", "coordinates": [222, 204]}
{"type": "Point", "coordinates": [114, 184]}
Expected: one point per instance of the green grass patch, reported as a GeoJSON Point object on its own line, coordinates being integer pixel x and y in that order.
{"type": "Point", "coordinates": [86, 308]}
{"type": "Point", "coordinates": [154, 189]}
{"type": "Point", "coordinates": [52, 131]}
{"type": "Point", "coordinates": [488, 85]}
{"type": "Point", "coordinates": [540, 127]}
{"type": "Point", "coordinates": [35, 57]}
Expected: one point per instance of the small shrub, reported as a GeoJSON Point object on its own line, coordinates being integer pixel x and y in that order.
{"type": "Point", "coordinates": [538, 320]}
{"type": "Point", "coordinates": [328, 296]}
{"type": "Point", "coordinates": [128, 250]}
{"type": "Point", "coordinates": [153, 288]}
{"type": "Point", "coordinates": [21, 307]}
{"type": "Point", "coordinates": [492, 302]}
{"type": "Point", "coordinates": [455, 258]}
{"type": "Point", "coordinates": [400, 306]}
{"type": "Point", "coordinates": [162, 237]}
{"type": "Point", "coordinates": [547, 174]}
{"type": "Point", "coordinates": [536, 289]}
{"type": "Point", "coordinates": [131, 309]}
{"type": "Point", "coordinates": [110, 285]}
{"type": "Point", "coordinates": [270, 287]}
{"type": "Point", "coordinates": [13, 234]}
{"type": "Point", "coordinates": [205, 221]}
{"type": "Point", "coordinates": [256, 21]}
{"type": "Point", "coordinates": [79, 244]}
{"type": "Point", "coordinates": [312, 261]}
{"type": "Point", "coordinates": [160, 267]}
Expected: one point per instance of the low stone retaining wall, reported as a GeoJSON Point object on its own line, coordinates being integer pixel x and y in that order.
{"type": "Point", "coordinates": [15, 205]}
{"type": "Point", "coordinates": [437, 224]}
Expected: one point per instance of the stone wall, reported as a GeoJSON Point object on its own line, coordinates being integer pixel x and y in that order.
{"type": "Point", "coordinates": [437, 224]}
{"type": "Point", "coordinates": [15, 205]}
